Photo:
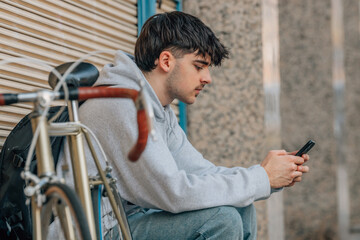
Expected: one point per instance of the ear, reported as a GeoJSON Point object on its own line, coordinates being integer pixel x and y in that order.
{"type": "Point", "coordinates": [166, 61]}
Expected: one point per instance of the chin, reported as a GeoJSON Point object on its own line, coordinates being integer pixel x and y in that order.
{"type": "Point", "coordinates": [188, 101]}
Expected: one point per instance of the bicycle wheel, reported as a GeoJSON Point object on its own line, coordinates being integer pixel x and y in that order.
{"type": "Point", "coordinates": [106, 223]}
{"type": "Point", "coordinates": [62, 215]}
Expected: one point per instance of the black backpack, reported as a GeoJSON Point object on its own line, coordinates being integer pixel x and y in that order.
{"type": "Point", "coordinates": [15, 215]}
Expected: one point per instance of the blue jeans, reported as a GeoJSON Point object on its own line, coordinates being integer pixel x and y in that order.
{"type": "Point", "coordinates": [213, 223]}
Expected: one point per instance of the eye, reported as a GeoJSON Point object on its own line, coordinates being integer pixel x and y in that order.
{"type": "Point", "coordinates": [198, 67]}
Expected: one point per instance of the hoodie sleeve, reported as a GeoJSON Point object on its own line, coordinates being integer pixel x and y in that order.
{"type": "Point", "coordinates": [170, 175]}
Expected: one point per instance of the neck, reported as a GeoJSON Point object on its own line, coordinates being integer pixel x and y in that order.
{"type": "Point", "coordinates": [157, 82]}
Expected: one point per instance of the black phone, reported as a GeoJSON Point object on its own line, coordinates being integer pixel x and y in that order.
{"type": "Point", "coordinates": [305, 148]}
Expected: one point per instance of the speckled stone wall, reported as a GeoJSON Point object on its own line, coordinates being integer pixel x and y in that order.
{"type": "Point", "coordinates": [352, 74]}
{"type": "Point", "coordinates": [307, 113]}
{"type": "Point", "coordinates": [226, 123]}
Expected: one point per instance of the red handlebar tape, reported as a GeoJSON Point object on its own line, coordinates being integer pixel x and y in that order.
{"type": "Point", "coordinates": [99, 92]}
{"type": "Point", "coordinates": [106, 92]}
{"type": "Point", "coordinates": [2, 99]}
{"type": "Point", "coordinates": [8, 98]}
{"type": "Point", "coordinates": [84, 93]}
{"type": "Point", "coordinates": [140, 145]}
{"type": "Point", "coordinates": [81, 93]}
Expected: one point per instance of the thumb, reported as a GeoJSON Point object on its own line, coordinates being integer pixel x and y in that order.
{"type": "Point", "coordinates": [279, 152]}
{"type": "Point", "coordinates": [292, 153]}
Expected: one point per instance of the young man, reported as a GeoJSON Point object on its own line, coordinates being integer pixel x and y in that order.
{"type": "Point", "coordinates": [172, 191]}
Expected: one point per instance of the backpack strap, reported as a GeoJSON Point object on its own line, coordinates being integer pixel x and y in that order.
{"type": "Point", "coordinates": [17, 160]}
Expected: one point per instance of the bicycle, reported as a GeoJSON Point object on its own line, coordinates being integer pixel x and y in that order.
{"type": "Point", "coordinates": [50, 197]}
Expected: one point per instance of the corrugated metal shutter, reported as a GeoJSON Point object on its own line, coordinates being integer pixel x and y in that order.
{"type": "Point", "coordinates": [57, 32]}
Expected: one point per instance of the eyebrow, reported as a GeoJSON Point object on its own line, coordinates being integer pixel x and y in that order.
{"type": "Point", "coordinates": [202, 62]}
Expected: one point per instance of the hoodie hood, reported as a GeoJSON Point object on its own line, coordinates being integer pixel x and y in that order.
{"type": "Point", "coordinates": [125, 73]}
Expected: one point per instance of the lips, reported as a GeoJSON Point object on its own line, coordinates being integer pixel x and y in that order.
{"type": "Point", "coordinates": [198, 89]}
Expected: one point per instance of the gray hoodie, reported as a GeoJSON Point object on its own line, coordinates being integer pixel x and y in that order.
{"type": "Point", "coordinates": [171, 174]}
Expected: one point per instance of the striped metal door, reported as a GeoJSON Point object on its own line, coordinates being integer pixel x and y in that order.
{"type": "Point", "coordinates": [55, 32]}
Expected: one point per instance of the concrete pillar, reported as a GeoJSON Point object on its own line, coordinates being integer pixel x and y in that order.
{"type": "Point", "coordinates": [226, 123]}
{"type": "Point", "coordinates": [351, 19]}
{"type": "Point", "coordinates": [307, 112]}
{"type": "Point", "coordinates": [272, 82]}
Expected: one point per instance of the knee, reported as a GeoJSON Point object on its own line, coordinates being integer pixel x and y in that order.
{"type": "Point", "coordinates": [229, 216]}
{"type": "Point", "coordinates": [248, 216]}
{"type": "Point", "coordinates": [248, 213]}
{"type": "Point", "coordinates": [229, 223]}
{"type": "Point", "coordinates": [238, 223]}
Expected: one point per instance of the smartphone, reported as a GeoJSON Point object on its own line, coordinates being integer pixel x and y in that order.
{"type": "Point", "coordinates": [305, 148]}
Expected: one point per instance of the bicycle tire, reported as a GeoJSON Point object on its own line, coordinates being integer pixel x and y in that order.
{"type": "Point", "coordinates": [62, 206]}
{"type": "Point", "coordinates": [105, 220]}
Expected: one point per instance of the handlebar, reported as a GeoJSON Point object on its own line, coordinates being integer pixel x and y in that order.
{"type": "Point", "coordinates": [84, 93]}
{"type": "Point", "coordinates": [81, 93]}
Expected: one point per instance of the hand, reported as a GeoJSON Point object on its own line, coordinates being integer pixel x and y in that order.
{"type": "Point", "coordinates": [301, 168]}
{"type": "Point", "coordinates": [283, 168]}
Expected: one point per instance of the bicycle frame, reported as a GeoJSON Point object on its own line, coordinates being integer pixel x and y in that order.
{"type": "Point", "coordinates": [75, 135]}
{"type": "Point", "coordinates": [81, 179]}
{"type": "Point", "coordinates": [45, 166]}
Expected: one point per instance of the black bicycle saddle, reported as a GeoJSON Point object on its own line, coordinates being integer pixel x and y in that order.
{"type": "Point", "coordinates": [84, 75]}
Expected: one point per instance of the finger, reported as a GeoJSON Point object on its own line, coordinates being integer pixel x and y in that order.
{"type": "Point", "coordinates": [291, 184]}
{"type": "Point", "coordinates": [294, 167]}
{"type": "Point", "coordinates": [292, 153]}
{"type": "Point", "coordinates": [297, 179]}
{"type": "Point", "coordinates": [296, 174]}
{"type": "Point", "coordinates": [279, 152]}
{"type": "Point", "coordinates": [303, 169]}
{"type": "Point", "coordinates": [306, 157]}
{"type": "Point", "coordinates": [297, 160]}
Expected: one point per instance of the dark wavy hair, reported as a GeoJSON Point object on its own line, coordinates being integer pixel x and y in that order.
{"type": "Point", "coordinates": [180, 33]}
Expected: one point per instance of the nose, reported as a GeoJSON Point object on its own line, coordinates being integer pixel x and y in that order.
{"type": "Point", "coordinates": [206, 77]}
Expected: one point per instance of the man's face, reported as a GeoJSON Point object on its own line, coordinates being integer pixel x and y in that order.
{"type": "Point", "coordinates": [188, 77]}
